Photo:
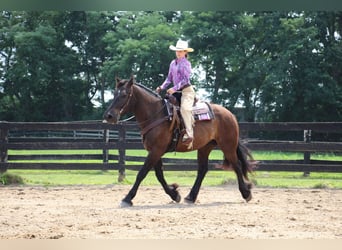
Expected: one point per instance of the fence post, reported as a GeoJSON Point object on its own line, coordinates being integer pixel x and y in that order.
{"type": "Point", "coordinates": [3, 148]}
{"type": "Point", "coordinates": [122, 153]}
{"type": "Point", "coordinates": [105, 151]}
{"type": "Point", "coordinates": [307, 139]}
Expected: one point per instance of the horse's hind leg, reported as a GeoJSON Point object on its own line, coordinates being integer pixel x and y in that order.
{"type": "Point", "coordinates": [170, 190]}
{"type": "Point", "coordinates": [244, 185]}
{"type": "Point", "coordinates": [231, 159]}
{"type": "Point", "coordinates": [202, 158]}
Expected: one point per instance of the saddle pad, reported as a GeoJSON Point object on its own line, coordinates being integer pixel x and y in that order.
{"type": "Point", "coordinates": [202, 111]}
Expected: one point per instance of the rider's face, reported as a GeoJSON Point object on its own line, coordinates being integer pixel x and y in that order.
{"type": "Point", "coordinates": [181, 53]}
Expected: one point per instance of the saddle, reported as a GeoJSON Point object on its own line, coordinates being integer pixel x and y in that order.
{"type": "Point", "coordinates": [201, 111]}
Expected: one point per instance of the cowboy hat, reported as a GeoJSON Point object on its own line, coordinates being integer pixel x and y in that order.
{"type": "Point", "coordinates": [181, 45]}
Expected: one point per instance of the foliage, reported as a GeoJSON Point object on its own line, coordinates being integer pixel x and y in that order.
{"type": "Point", "coordinates": [10, 179]}
{"type": "Point", "coordinates": [277, 66]}
{"type": "Point", "coordinates": [139, 46]}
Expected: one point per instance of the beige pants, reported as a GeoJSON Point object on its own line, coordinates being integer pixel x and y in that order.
{"type": "Point", "coordinates": [187, 101]}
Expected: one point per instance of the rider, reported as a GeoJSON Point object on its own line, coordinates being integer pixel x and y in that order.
{"type": "Point", "coordinates": [179, 75]}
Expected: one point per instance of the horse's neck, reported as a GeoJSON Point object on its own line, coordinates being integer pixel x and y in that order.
{"type": "Point", "coordinates": [146, 107]}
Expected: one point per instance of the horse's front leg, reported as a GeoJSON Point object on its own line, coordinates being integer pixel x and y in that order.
{"type": "Point", "coordinates": [171, 190]}
{"type": "Point", "coordinates": [150, 161]}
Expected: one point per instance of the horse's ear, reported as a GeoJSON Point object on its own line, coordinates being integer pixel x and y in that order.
{"type": "Point", "coordinates": [131, 80]}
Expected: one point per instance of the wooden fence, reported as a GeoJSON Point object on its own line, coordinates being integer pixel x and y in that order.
{"type": "Point", "coordinates": [108, 138]}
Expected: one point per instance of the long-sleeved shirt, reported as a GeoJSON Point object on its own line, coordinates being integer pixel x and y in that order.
{"type": "Point", "coordinates": [179, 74]}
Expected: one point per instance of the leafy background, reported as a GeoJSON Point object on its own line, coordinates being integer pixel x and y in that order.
{"type": "Point", "coordinates": [274, 65]}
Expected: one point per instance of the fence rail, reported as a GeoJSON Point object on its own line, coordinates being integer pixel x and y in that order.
{"type": "Point", "coordinates": [91, 135]}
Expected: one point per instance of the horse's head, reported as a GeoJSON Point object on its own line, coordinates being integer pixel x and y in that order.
{"type": "Point", "coordinates": [122, 96]}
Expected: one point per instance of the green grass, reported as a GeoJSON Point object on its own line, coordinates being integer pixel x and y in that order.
{"type": "Point", "coordinates": [215, 154]}
{"type": "Point", "coordinates": [297, 180]}
{"type": "Point", "coordinates": [183, 178]}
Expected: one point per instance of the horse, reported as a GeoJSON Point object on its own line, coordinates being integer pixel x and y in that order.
{"type": "Point", "coordinates": [223, 132]}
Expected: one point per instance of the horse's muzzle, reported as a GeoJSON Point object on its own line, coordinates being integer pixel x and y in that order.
{"type": "Point", "coordinates": [109, 117]}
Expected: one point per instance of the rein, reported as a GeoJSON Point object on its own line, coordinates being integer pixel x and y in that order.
{"type": "Point", "coordinates": [127, 120]}
{"type": "Point", "coordinates": [151, 121]}
{"type": "Point", "coordinates": [153, 124]}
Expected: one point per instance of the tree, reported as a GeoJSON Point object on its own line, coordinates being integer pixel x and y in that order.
{"type": "Point", "coordinates": [42, 80]}
{"type": "Point", "coordinates": [299, 86]}
{"type": "Point", "coordinates": [9, 25]}
{"type": "Point", "coordinates": [231, 54]}
{"type": "Point", "coordinates": [139, 46]}
{"type": "Point", "coordinates": [84, 31]}
{"type": "Point", "coordinates": [278, 65]}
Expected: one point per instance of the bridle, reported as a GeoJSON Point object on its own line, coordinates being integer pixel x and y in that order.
{"type": "Point", "coordinates": [127, 102]}
{"type": "Point", "coordinates": [151, 122]}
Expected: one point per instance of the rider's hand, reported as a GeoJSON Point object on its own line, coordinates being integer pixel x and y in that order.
{"type": "Point", "coordinates": [170, 91]}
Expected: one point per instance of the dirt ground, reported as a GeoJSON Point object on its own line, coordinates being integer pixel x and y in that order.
{"type": "Point", "coordinates": [93, 212]}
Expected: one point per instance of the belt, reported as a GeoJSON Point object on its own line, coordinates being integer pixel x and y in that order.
{"type": "Point", "coordinates": [185, 86]}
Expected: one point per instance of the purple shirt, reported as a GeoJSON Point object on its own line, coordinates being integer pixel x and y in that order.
{"type": "Point", "coordinates": [179, 74]}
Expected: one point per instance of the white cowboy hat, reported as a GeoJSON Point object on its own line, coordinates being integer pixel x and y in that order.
{"type": "Point", "coordinates": [181, 45]}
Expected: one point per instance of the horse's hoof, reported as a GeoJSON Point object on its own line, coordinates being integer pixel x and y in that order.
{"type": "Point", "coordinates": [178, 198]}
{"type": "Point", "coordinates": [249, 197]}
{"type": "Point", "coordinates": [174, 192]}
{"type": "Point", "coordinates": [188, 200]}
{"type": "Point", "coordinates": [124, 204]}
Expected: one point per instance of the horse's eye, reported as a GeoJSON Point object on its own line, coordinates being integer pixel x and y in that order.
{"type": "Point", "coordinates": [120, 93]}
{"type": "Point", "coordinates": [123, 93]}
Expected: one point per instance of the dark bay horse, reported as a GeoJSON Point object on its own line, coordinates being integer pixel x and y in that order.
{"type": "Point", "coordinates": [222, 131]}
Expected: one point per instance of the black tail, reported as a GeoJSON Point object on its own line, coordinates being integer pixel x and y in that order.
{"type": "Point", "coordinates": [246, 159]}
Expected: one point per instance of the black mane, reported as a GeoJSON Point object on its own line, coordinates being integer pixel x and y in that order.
{"type": "Point", "coordinates": [148, 90]}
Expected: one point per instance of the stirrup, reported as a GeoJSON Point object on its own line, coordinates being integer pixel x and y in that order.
{"type": "Point", "coordinates": [187, 140]}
